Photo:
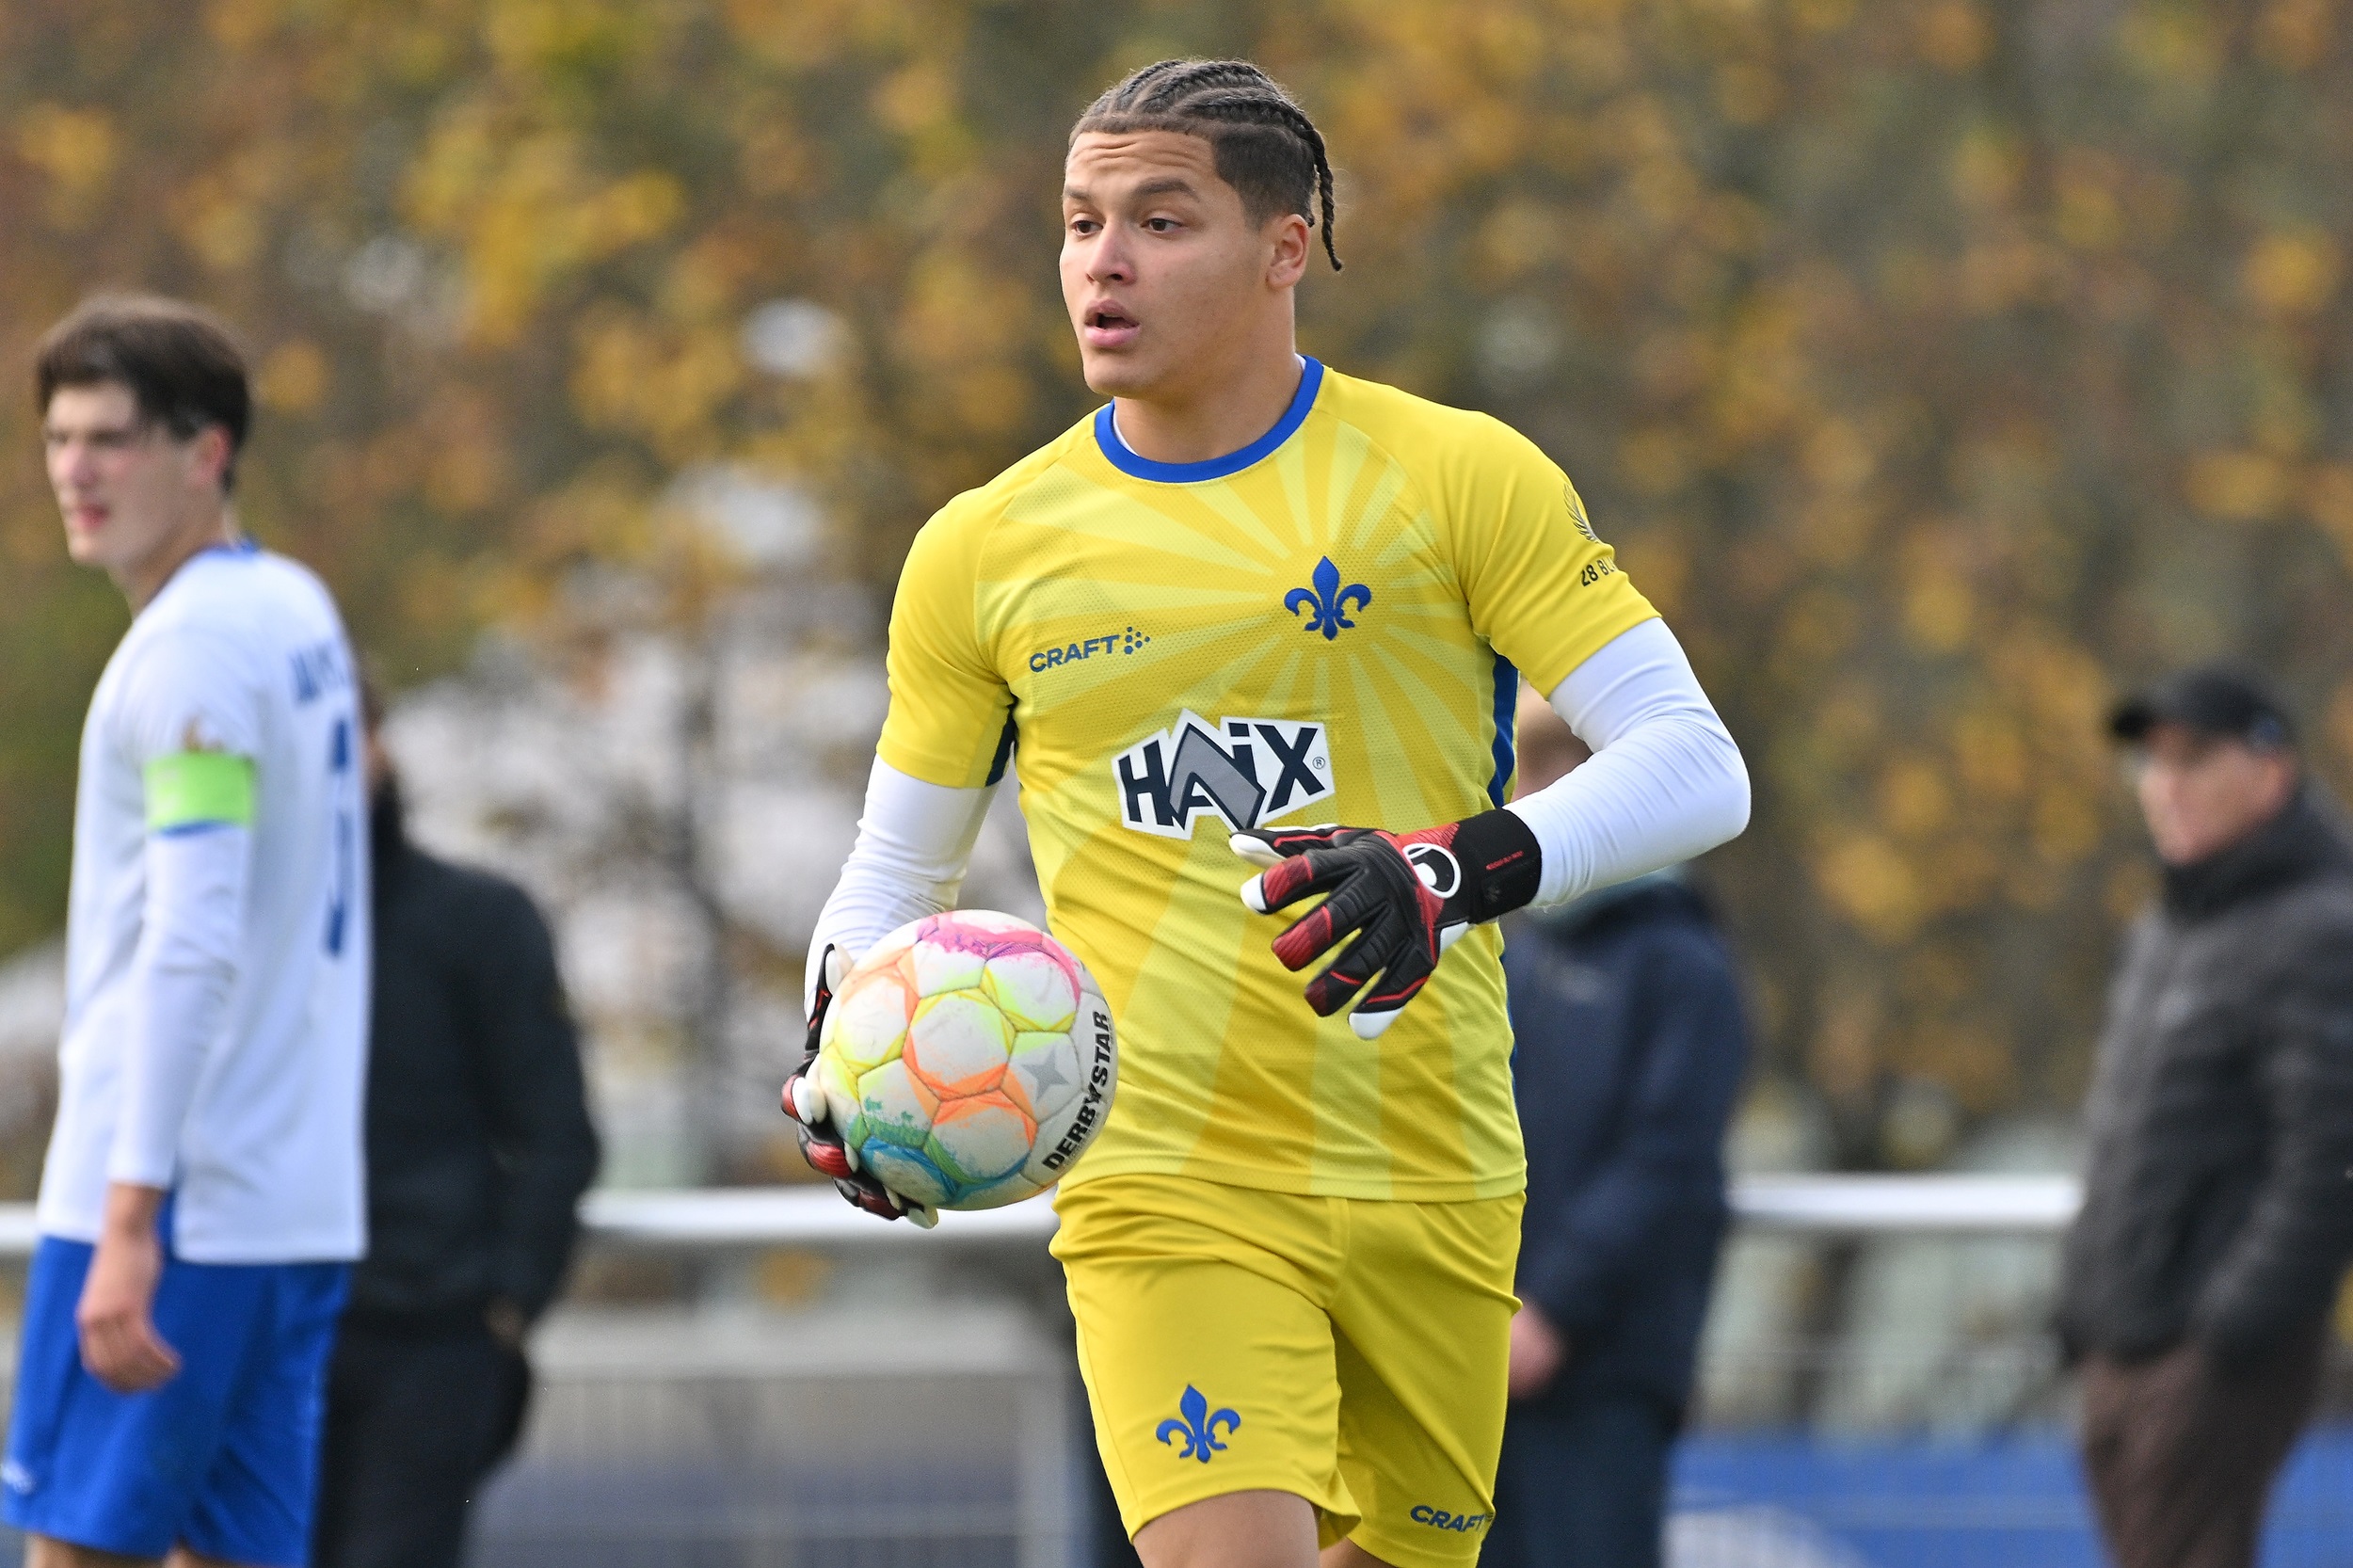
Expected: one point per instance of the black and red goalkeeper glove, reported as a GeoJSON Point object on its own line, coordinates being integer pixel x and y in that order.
{"type": "Point", "coordinates": [1405, 897]}
{"type": "Point", "coordinates": [820, 1146]}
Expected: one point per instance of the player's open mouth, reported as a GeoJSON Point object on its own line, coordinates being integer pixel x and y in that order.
{"type": "Point", "coordinates": [1108, 327]}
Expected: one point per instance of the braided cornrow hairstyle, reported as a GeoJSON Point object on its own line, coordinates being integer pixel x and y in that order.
{"type": "Point", "coordinates": [1266, 145]}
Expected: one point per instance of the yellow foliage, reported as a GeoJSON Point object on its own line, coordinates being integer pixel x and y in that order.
{"type": "Point", "coordinates": [1939, 609]}
{"type": "Point", "coordinates": [541, 35]}
{"type": "Point", "coordinates": [1915, 799]}
{"type": "Point", "coordinates": [2173, 45]}
{"type": "Point", "coordinates": [1954, 35]}
{"type": "Point", "coordinates": [2329, 499]}
{"type": "Point", "coordinates": [915, 99]}
{"type": "Point", "coordinates": [240, 25]}
{"type": "Point", "coordinates": [1918, 404]}
{"type": "Point", "coordinates": [2066, 824]}
{"type": "Point", "coordinates": [1985, 166]}
{"type": "Point", "coordinates": [1965, 1058]}
{"type": "Point", "coordinates": [2130, 887]}
{"type": "Point", "coordinates": [2237, 486]}
{"type": "Point", "coordinates": [78, 149]}
{"type": "Point", "coordinates": [2090, 213]}
{"type": "Point", "coordinates": [1874, 885]}
{"type": "Point", "coordinates": [292, 380]}
{"type": "Point", "coordinates": [1654, 462]}
{"type": "Point", "coordinates": [2293, 274]}
{"type": "Point", "coordinates": [1837, 457]}
{"type": "Point", "coordinates": [2294, 35]}
{"type": "Point", "coordinates": [1822, 16]}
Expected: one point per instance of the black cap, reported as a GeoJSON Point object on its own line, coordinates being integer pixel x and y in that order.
{"type": "Point", "coordinates": [2221, 700]}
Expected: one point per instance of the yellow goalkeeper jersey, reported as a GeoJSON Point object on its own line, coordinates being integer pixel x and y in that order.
{"type": "Point", "coordinates": [1324, 626]}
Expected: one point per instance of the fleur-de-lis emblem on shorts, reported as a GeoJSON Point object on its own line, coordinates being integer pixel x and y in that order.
{"type": "Point", "coordinates": [1327, 603]}
{"type": "Point", "coordinates": [1198, 1427]}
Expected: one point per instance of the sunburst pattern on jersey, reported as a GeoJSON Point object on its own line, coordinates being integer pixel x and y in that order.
{"type": "Point", "coordinates": [1105, 608]}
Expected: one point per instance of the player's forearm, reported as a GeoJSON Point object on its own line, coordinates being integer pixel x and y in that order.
{"type": "Point", "coordinates": [131, 1209]}
{"type": "Point", "coordinates": [1667, 791]}
{"type": "Point", "coordinates": [181, 982]}
{"type": "Point", "coordinates": [1665, 782]}
{"type": "Point", "coordinates": [913, 845]}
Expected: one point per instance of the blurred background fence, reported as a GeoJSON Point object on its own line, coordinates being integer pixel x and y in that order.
{"type": "Point", "coordinates": [923, 1408]}
{"type": "Point", "coordinates": [850, 1395]}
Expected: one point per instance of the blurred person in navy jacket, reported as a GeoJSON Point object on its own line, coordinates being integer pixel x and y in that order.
{"type": "Point", "coordinates": [1631, 1047]}
{"type": "Point", "coordinates": [479, 1147]}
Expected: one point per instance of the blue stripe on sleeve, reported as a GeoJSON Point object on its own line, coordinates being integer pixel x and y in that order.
{"type": "Point", "coordinates": [1506, 698]}
{"type": "Point", "coordinates": [1004, 750]}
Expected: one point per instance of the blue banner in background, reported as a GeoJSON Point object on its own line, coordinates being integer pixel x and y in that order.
{"type": "Point", "coordinates": [1811, 1502]}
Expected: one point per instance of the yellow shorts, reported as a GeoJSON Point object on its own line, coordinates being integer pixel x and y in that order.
{"type": "Point", "coordinates": [1349, 1351]}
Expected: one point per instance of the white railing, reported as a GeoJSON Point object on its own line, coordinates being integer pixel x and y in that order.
{"type": "Point", "coordinates": [812, 1216]}
{"type": "Point", "coordinates": [1805, 1205]}
{"type": "Point", "coordinates": [704, 1432]}
{"type": "Point", "coordinates": [1914, 1205]}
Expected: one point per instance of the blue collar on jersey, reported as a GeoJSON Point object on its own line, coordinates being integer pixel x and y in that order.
{"type": "Point", "coordinates": [1127, 462]}
{"type": "Point", "coordinates": [243, 545]}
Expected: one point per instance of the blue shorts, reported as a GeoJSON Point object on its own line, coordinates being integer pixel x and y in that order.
{"type": "Point", "coordinates": [223, 1459]}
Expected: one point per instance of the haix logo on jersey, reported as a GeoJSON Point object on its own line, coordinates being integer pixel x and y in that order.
{"type": "Point", "coordinates": [1245, 772]}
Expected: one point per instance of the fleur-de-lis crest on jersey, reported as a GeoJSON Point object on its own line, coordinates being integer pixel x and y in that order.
{"type": "Point", "coordinates": [1327, 603]}
{"type": "Point", "coordinates": [1196, 1426]}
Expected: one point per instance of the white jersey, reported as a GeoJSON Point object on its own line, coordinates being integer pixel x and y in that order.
{"type": "Point", "coordinates": [241, 661]}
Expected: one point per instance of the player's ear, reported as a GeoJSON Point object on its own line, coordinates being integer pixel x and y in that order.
{"type": "Point", "coordinates": [1290, 242]}
{"type": "Point", "coordinates": [209, 455]}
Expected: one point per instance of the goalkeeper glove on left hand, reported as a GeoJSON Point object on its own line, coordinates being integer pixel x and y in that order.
{"type": "Point", "coordinates": [820, 1146]}
{"type": "Point", "coordinates": [1405, 896]}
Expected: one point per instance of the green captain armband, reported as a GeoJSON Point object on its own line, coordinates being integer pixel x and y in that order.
{"type": "Point", "coordinates": [189, 789]}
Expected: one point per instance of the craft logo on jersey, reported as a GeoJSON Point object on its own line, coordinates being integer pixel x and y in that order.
{"type": "Point", "coordinates": [1246, 771]}
{"type": "Point", "coordinates": [1196, 1425]}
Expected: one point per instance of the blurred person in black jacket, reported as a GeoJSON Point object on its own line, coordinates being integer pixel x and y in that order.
{"type": "Point", "coordinates": [478, 1149]}
{"type": "Point", "coordinates": [2217, 1215]}
{"type": "Point", "coordinates": [1630, 1049]}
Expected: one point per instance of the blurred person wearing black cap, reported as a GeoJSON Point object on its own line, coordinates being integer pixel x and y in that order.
{"type": "Point", "coordinates": [479, 1146]}
{"type": "Point", "coordinates": [2217, 1213]}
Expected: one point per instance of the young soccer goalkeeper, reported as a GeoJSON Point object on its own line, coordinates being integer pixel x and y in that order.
{"type": "Point", "coordinates": [1248, 594]}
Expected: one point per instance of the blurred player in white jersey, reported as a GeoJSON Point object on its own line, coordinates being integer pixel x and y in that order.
{"type": "Point", "coordinates": [202, 1196]}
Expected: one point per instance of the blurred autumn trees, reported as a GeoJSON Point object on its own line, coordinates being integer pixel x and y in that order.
{"type": "Point", "coordinates": [1938, 367]}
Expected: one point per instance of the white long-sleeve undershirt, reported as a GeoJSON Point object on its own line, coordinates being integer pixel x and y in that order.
{"type": "Point", "coordinates": [913, 845]}
{"type": "Point", "coordinates": [192, 928]}
{"type": "Point", "coordinates": [1665, 782]}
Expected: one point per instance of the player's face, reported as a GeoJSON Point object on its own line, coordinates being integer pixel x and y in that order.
{"type": "Point", "coordinates": [2202, 793]}
{"type": "Point", "coordinates": [127, 488]}
{"type": "Point", "coordinates": [1165, 277]}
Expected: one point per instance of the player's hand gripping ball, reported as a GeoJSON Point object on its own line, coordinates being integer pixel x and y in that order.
{"type": "Point", "coordinates": [966, 1063]}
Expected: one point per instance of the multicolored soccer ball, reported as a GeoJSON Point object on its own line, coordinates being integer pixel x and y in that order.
{"type": "Point", "coordinates": [968, 1059]}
